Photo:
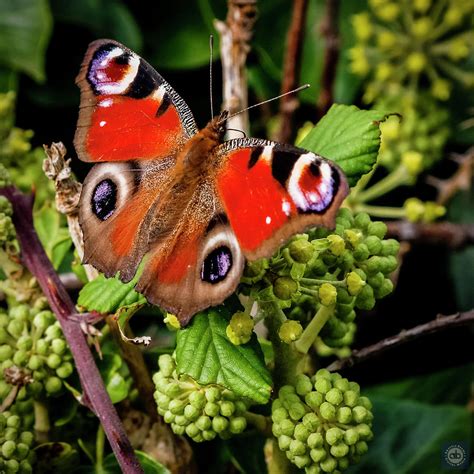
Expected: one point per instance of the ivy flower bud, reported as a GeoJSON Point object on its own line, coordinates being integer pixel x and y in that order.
{"type": "Point", "coordinates": [290, 331]}
{"type": "Point", "coordinates": [327, 294]}
{"type": "Point", "coordinates": [240, 328]}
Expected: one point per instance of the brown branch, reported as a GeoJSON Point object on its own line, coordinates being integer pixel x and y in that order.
{"type": "Point", "coordinates": [37, 262]}
{"type": "Point", "coordinates": [440, 323]}
{"type": "Point", "coordinates": [330, 31]}
{"type": "Point", "coordinates": [436, 233]}
{"type": "Point", "coordinates": [292, 69]}
{"type": "Point", "coordinates": [235, 35]}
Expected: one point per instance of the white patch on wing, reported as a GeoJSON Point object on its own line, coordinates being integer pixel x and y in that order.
{"type": "Point", "coordinates": [159, 93]}
{"type": "Point", "coordinates": [310, 200]}
{"type": "Point", "coordinates": [267, 153]}
{"type": "Point", "coordinates": [286, 207]}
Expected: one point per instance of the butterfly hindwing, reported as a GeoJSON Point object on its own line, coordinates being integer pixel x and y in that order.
{"type": "Point", "coordinates": [196, 266]}
{"type": "Point", "coordinates": [271, 191]}
{"type": "Point", "coordinates": [128, 111]}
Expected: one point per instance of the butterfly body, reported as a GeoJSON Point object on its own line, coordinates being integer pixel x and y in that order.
{"type": "Point", "coordinates": [188, 203]}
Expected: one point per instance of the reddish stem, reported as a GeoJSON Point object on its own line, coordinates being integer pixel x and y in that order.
{"type": "Point", "coordinates": [36, 260]}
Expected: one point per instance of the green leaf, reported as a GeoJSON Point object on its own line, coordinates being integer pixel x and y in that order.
{"type": "Point", "coordinates": [55, 239]}
{"type": "Point", "coordinates": [60, 458]}
{"type": "Point", "coordinates": [348, 136]}
{"type": "Point", "coordinates": [149, 465]}
{"type": "Point", "coordinates": [409, 436]}
{"type": "Point", "coordinates": [451, 386]}
{"type": "Point", "coordinates": [114, 374]}
{"type": "Point", "coordinates": [108, 295]}
{"type": "Point", "coordinates": [25, 28]}
{"type": "Point", "coordinates": [204, 352]}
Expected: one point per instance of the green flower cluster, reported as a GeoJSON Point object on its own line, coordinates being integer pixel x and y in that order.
{"type": "Point", "coordinates": [7, 230]}
{"type": "Point", "coordinates": [16, 153]}
{"type": "Point", "coordinates": [417, 139]}
{"type": "Point", "coordinates": [16, 442]}
{"type": "Point", "coordinates": [200, 412]}
{"type": "Point", "coordinates": [31, 339]}
{"type": "Point", "coordinates": [322, 423]}
{"type": "Point", "coordinates": [422, 40]}
{"type": "Point", "coordinates": [342, 270]}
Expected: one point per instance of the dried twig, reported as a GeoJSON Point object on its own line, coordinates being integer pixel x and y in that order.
{"type": "Point", "coordinates": [35, 259]}
{"type": "Point", "coordinates": [330, 32]}
{"type": "Point", "coordinates": [461, 180]}
{"type": "Point", "coordinates": [235, 34]}
{"type": "Point", "coordinates": [68, 194]}
{"type": "Point", "coordinates": [291, 69]}
{"type": "Point", "coordinates": [440, 323]}
{"type": "Point", "coordinates": [438, 233]}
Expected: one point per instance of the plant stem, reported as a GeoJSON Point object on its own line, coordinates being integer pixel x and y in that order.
{"type": "Point", "coordinates": [42, 425]}
{"type": "Point", "coordinates": [99, 450]}
{"type": "Point", "coordinates": [35, 259]}
{"type": "Point", "coordinates": [396, 178]}
{"type": "Point", "coordinates": [261, 422]}
{"type": "Point", "coordinates": [313, 328]}
{"type": "Point", "coordinates": [381, 211]}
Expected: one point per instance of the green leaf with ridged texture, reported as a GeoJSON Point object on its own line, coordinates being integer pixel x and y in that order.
{"type": "Point", "coordinates": [204, 353]}
{"type": "Point", "coordinates": [348, 136]}
{"type": "Point", "coordinates": [108, 295]}
{"type": "Point", "coordinates": [409, 436]}
{"type": "Point", "coordinates": [148, 464]}
{"type": "Point", "coordinates": [25, 28]}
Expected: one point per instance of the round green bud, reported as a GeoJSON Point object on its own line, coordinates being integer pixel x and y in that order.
{"type": "Point", "coordinates": [334, 435]}
{"type": "Point", "coordinates": [362, 220]}
{"type": "Point", "coordinates": [301, 250]}
{"type": "Point", "coordinates": [365, 402]}
{"type": "Point", "coordinates": [365, 299]}
{"type": "Point", "coordinates": [351, 436]}
{"type": "Point", "coordinates": [329, 464]}
{"type": "Point", "coordinates": [385, 289]}
{"type": "Point", "coordinates": [20, 357]}
{"type": "Point", "coordinates": [374, 244]}
{"type": "Point", "coordinates": [287, 427]}
{"type": "Point", "coordinates": [15, 328]}
{"type": "Point", "coordinates": [208, 435]}
{"type": "Point", "coordinates": [227, 408]}
{"type": "Point", "coordinates": [322, 385]}
{"type": "Point", "coordinates": [364, 432]}
{"type": "Point", "coordinates": [376, 281]}
{"type": "Point", "coordinates": [166, 364]}
{"type": "Point", "coordinates": [58, 346]}
{"type": "Point", "coordinates": [25, 467]}
{"type": "Point", "coordinates": [318, 454]}
{"type": "Point", "coordinates": [354, 386]}
{"type": "Point", "coordinates": [53, 361]}
{"type": "Point", "coordinates": [197, 399]}
{"type": "Point", "coordinates": [327, 294]}
{"type": "Point", "coordinates": [172, 389]}
{"type": "Point", "coordinates": [176, 406]}
{"type": "Point", "coordinates": [284, 442]}
{"type": "Point", "coordinates": [192, 430]}
{"type": "Point", "coordinates": [25, 343]}
{"type": "Point", "coordinates": [297, 448]}
{"type": "Point", "coordinates": [8, 449]}
{"type": "Point", "coordinates": [342, 384]}
{"type": "Point", "coordinates": [53, 332]}
{"type": "Point", "coordinates": [339, 450]}
{"type": "Point", "coordinates": [279, 414]}
{"type": "Point", "coordinates": [6, 352]}
{"type": "Point", "coordinates": [169, 417]}
{"type": "Point", "coordinates": [344, 415]}
{"type": "Point", "coordinates": [284, 288]}
{"type": "Point", "coordinates": [64, 370]}
{"type": "Point", "coordinates": [302, 461]}
{"type": "Point", "coordinates": [42, 320]}
{"type": "Point", "coordinates": [4, 336]}
{"type": "Point", "coordinates": [177, 429]}
{"type": "Point", "coordinates": [354, 283]}
{"type": "Point", "coordinates": [315, 440]}
{"type": "Point", "coordinates": [42, 347]}
{"type": "Point", "coordinates": [379, 229]}
{"type": "Point", "coordinates": [361, 447]}
{"type": "Point", "coordinates": [290, 331]}
{"type": "Point", "coordinates": [240, 328]}
{"type": "Point", "coordinates": [303, 384]}
{"type": "Point", "coordinates": [360, 414]}
{"type": "Point", "coordinates": [351, 398]}
{"type": "Point", "coordinates": [53, 385]}
{"type": "Point", "coordinates": [237, 425]}
{"type": "Point", "coordinates": [21, 451]}
{"type": "Point", "coordinates": [20, 312]}
{"type": "Point", "coordinates": [334, 396]}
{"type": "Point", "coordinates": [301, 432]}
{"type": "Point", "coordinates": [27, 437]}
{"type": "Point", "coordinates": [311, 421]}
{"type": "Point", "coordinates": [336, 244]}
{"type": "Point", "coordinates": [328, 411]}
{"type": "Point", "coordinates": [211, 409]}
{"type": "Point", "coordinates": [212, 394]}
{"type": "Point", "coordinates": [220, 424]}
{"type": "Point", "coordinates": [13, 421]}
{"type": "Point", "coordinates": [314, 400]}
{"type": "Point", "coordinates": [35, 362]}
{"type": "Point", "coordinates": [323, 374]}
{"type": "Point", "coordinates": [10, 434]}
{"type": "Point", "coordinates": [390, 247]}
{"type": "Point", "coordinates": [297, 411]}
{"type": "Point", "coordinates": [361, 252]}
{"type": "Point", "coordinates": [203, 423]}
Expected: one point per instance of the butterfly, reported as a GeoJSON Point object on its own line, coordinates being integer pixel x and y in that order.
{"type": "Point", "coordinates": [190, 205]}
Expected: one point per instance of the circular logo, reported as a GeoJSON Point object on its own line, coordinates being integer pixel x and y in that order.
{"type": "Point", "coordinates": [455, 455]}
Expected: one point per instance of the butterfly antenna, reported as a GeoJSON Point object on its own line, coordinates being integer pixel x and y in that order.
{"type": "Point", "coordinates": [294, 91]}
{"type": "Point", "coordinates": [211, 50]}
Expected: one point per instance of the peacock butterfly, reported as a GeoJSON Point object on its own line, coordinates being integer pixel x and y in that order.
{"type": "Point", "coordinates": [192, 205]}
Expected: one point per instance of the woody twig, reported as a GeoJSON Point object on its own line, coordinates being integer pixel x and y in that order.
{"type": "Point", "coordinates": [235, 35]}
{"type": "Point", "coordinates": [291, 70]}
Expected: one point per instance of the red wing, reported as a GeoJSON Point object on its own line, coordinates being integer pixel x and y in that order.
{"type": "Point", "coordinates": [128, 111]}
{"type": "Point", "coordinates": [271, 191]}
